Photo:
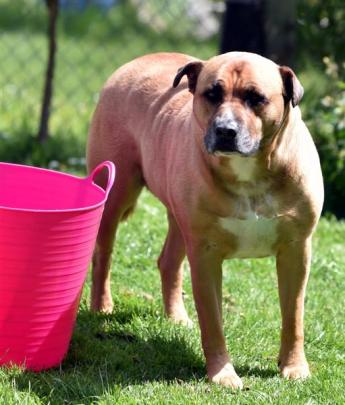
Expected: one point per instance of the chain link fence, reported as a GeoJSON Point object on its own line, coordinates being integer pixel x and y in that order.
{"type": "Point", "coordinates": [94, 37]}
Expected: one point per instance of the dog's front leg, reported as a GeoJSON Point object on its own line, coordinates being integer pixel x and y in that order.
{"type": "Point", "coordinates": [206, 270]}
{"type": "Point", "coordinates": [293, 264]}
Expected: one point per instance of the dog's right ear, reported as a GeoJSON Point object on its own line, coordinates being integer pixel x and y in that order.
{"type": "Point", "coordinates": [192, 70]}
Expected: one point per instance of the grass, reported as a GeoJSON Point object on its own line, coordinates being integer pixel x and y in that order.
{"type": "Point", "coordinates": [136, 356]}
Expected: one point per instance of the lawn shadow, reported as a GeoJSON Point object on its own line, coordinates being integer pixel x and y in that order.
{"type": "Point", "coordinates": [106, 352]}
{"type": "Point", "coordinates": [265, 373]}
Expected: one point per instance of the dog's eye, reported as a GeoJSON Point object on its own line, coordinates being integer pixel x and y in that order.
{"type": "Point", "coordinates": [214, 95]}
{"type": "Point", "coordinates": [254, 99]}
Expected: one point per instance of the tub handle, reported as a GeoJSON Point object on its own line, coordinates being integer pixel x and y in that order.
{"type": "Point", "coordinates": [111, 174]}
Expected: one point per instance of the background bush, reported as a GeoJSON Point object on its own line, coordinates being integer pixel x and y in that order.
{"type": "Point", "coordinates": [321, 59]}
{"type": "Point", "coordinates": [327, 124]}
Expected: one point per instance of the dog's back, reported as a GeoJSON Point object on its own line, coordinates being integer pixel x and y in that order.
{"type": "Point", "coordinates": [145, 87]}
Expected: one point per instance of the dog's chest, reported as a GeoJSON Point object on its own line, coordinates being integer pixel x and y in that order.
{"type": "Point", "coordinates": [253, 226]}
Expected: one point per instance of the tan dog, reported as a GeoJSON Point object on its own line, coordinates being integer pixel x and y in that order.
{"type": "Point", "coordinates": [231, 159]}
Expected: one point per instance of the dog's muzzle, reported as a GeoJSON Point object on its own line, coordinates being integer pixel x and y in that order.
{"type": "Point", "coordinates": [227, 136]}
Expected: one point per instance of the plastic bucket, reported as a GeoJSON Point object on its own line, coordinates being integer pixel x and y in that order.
{"type": "Point", "coordinates": [48, 227]}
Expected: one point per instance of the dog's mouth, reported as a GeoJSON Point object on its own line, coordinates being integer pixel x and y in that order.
{"type": "Point", "coordinates": [241, 145]}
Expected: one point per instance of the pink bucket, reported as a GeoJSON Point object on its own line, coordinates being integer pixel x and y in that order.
{"type": "Point", "coordinates": [48, 227]}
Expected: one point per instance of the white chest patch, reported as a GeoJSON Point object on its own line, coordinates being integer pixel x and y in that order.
{"type": "Point", "coordinates": [253, 225]}
{"type": "Point", "coordinates": [255, 236]}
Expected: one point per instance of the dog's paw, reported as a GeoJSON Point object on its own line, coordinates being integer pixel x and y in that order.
{"type": "Point", "coordinates": [180, 317]}
{"type": "Point", "coordinates": [182, 320]}
{"type": "Point", "coordinates": [226, 376]}
{"type": "Point", "coordinates": [105, 306]}
{"type": "Point", "coordinates": [295, 371]}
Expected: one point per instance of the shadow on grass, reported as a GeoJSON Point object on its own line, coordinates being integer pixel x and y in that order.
{"type": "Point", "coordinates": [247, 371]}
{"type": "Point", "coordinates": [109, 353]}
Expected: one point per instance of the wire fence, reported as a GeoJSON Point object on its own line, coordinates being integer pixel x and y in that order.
{"type": "Point", "coordinates": [93, 37]}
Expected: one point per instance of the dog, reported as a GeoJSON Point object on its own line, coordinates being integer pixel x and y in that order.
{"type": "Point", "coordinates": [222, 144]}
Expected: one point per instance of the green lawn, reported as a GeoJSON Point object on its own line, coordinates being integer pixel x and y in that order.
{"type": "Point", "coordinates": [137, 356]}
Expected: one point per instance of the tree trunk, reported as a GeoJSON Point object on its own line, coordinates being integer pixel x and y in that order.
{"type": "Point", "coordinates": [266, 27]}
{"type": "Point", "coordinates": [243, 27]}
{"type": "Point", "coordinates": [53, 10]}
{"type": "Point", "coordinates": [280, 28]}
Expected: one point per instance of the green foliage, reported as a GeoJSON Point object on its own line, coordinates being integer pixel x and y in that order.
{"type": "Point", "coordinates": [59, 152]}
{"type": "Point", "coordinates": [11, 15]}
{"type": "Point", "coordinates": [321, 52]}
{"type": "Point", "coordinates": [327, 124]}
{"type": "Point", "coordinates": [120, 21]}
{"type": "Point", "coordinates": [321, 30]}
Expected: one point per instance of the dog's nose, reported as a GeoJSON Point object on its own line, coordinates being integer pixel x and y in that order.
{"type": "Point", "coordinates": [226, 131]}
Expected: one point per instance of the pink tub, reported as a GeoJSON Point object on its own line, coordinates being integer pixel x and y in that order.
{"type": "Point", "coordinates": [48, 227]}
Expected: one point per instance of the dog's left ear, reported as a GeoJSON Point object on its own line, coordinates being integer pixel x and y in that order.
{"type": "Point", "coordinates": [292, 88]}
{"type": "Point", "coordinates": [192, 70]}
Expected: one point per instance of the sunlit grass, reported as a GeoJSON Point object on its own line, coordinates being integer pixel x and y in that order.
{"type": "Point", "coordinates": [136, 356]}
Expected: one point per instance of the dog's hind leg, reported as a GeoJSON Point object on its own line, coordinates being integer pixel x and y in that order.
{"type": "Point", "coordinates": [171, 270]}
{"type": "Point", "coordinates": [121, 201]}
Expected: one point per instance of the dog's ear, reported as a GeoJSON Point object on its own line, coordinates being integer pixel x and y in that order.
{"type": "Point", "coordinates": [292, 88]}
{"type": "Point", "coordinates": [192, 70]}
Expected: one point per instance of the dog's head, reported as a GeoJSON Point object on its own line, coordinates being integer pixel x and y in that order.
{"type": "Point", "coordinates": [239, 100]}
